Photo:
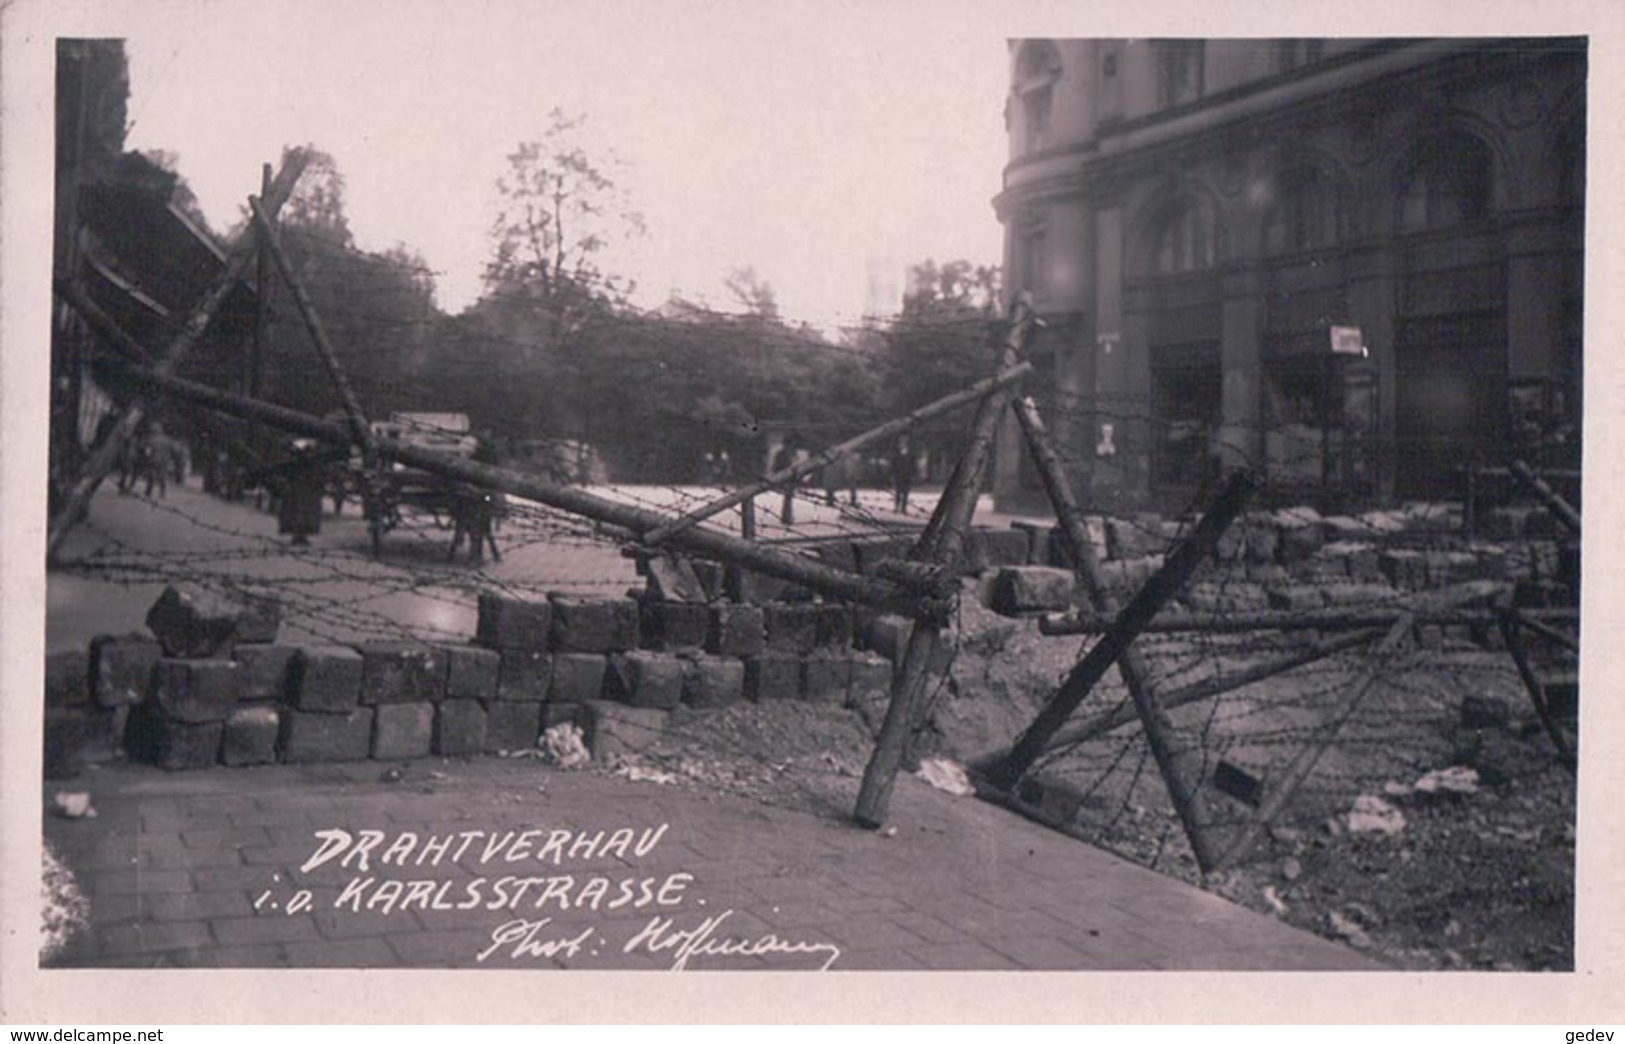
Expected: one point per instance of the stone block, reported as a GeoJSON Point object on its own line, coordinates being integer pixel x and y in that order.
{"type": "Point", "coordinates": [1356, 560]}
{"type": "Point", "coordinates": [1452, 567]}
{"type": "Point", "coordinates": [576, 677]}
{"type": "Point", "coordinates": [1504, 523]}
{"type": "Point", "coordinates": [826, 677]}
{"type": "Point", "coordinates": [835, 624]}
{"type": "Point", "coordinates": [511, 725]}
{"type": "Point", "coordinates": [1296, 597]}
{"type": "Point", "coordinates": [513, 623]}
{"type": "Point", "coordinates": [616, 730]}
{"type": "Point", "coordinates": [471, 672]}
{"type": "Point", "coordinates": [191, 622]}
{"type": "Point", "coordinates": [459, 727]}
{"type": "Point", "coordinates": [173, 745]}
{"type": "Point", "coordinates": [645, 679]}
{"type": "Point", "coordinates": [524, 675]}
{"type": "Point", "coordinates": [594, 625]}
{"type": "Point", "coordinates": [67, 678]}
{"type": "Point", "coordinates": [888, 634]}
{"type": "Point", "coordinates": [1300, 535]}
{"type": "Point", "coordinates": [402, 730]}
{"type": "Point", "coordinates": [1405, 569]}
{"type": "Point", "coordinates": [317, 737]}
{"type": "Point", "coordinates": [264, 671]}
{"type": "Point", "coordinates": [672, 579]}
{"type": "Point", "coordinates": [327, 679]}
{"type": "Point", "coordinates": [773, 676]}
{"type": "Point", "coordinates": [673, 626]}
{"type": "Point", "coordinates": [791, 627]}
{"type": "Point", "coordinates": [870, 678]}
{"type": "Point", "coordinates": [195, 691]}
{"type": "Point", "coordinates": [1006, 547]}
{"type": "Point", "coordinates": [401, 672]}
{"type": "Point", "coordinates": [1031, 589]}
{"type": "Point", "coordinates": [711, 681]}
{"type": "Point", "coordinates": [121, 669]}
{"type": "Point", "coordinates": [250, 736]}
{"type": "Point", "coordinates": [735, 630]}
{"type": "Point", "coordinates": [1134, 537]}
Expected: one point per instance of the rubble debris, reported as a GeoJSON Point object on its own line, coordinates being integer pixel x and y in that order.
{"type": "Point", "coordinates": [74, 804]}
{"type": "Point", "coordinates": [1457, 779]}
{"type": "Point", "coordinates": [947, 776]}
{"type": "Point", "coordinates": [1372, 815]}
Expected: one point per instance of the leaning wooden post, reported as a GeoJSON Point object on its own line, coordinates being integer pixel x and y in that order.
{"type": "Point", "coordinates": [107, 454]}
{"type": "Point", "coordinates": [788, 476]}
{"type": "Point", "coordinates": [1561, 509]}
{"type": "Point", "coordinates": [359, 429]}
{"type": "Point", "coordinates": [942, 549]}
{"type": "Point", "coordinates": [1181, 770]}
{"type": "Point", "coordinates": [885, 595]}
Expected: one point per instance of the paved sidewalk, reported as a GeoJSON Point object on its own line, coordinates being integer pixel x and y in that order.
{"type": "Point", "coordinates": [508, 864]}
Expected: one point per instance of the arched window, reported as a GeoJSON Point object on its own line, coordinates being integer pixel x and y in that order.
{"type": "Point", "coordinates": [1185, 238]}
{"type": "Point", "coordinates": [1304, 215]}
{"type": "Point", "coordinates": [1038, 66]}
{"type": "Point", "coordinates": [1447, 182]}
{"type": "Point", "coordinates": [1181, 71]}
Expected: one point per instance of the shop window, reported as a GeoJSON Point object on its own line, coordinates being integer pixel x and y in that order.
{"type": "Point", "coordinates": [1032, 261]}
{"type": "Point", "coordinates": [1187, 384]}
{"type": "Point", "coordinates": [1293, 54]}
{"type": "Point", "coordinates": [1179, 71]}
{"type": "Point", "coordinates": [1447, 183]}
{"type": "Point", "coordinates": [1304, 215]}
{"type": "Point", "coordinates": [1186, 238]}
{"type": "Point", "coordinates": [1037, 68]}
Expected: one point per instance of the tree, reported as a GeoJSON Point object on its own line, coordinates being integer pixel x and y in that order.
{"type": "Point", "coordinates": [941, 340]}
{"type": "Point", "coordinates": [560, 210]}
{"type": "Point", "coordinates": [753, 293]}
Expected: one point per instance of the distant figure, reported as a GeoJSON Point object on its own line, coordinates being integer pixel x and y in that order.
{"type": "Point", "coordinates": [299, 514]}
{"type": "Point", "coordinates": [785, 458]}
{"type": "Point", "coordinates": [841, 474]}
{"type": "Point", "coordinates": [902, 474]}
{"type": "Point", "coordinates": [154, 458]}
{"type": "Point", "coordinates": [475, 510]}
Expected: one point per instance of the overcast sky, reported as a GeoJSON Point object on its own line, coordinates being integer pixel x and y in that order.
{"type": "Point", "coordinates": [801, 139]}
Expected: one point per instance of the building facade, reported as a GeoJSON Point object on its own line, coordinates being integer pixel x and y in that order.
{"type": "Point", "coordinates": [1353, 265]}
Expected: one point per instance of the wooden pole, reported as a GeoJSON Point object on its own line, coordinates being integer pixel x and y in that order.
{"type": "Point", "coordinates": [107, 454]}
{"type": "Point", "coordinates": [1508, 623]}
{"type": "Point", "coordinates": [359, 429]}
{"type": "Point", "coordinates": [1144, 701]}
{"type": "Point", "coordinates": [829, 456]}
{"type": "Point", "coordinates": [945, 547]}
{"type": "Point", "coordinates": [1180, 769]}
{"type": "Point", "coordinates": [1561, 509]}
{"type": "Point", "coordinates": [1109, 721]}
{"type": "Point", "coordinates": [801, 569]}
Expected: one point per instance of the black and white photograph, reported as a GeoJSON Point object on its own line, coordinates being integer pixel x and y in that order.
{"type": "Point", "coordinates": [714, 487]}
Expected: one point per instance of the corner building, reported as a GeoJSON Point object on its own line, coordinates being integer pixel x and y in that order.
{"type": "Point", "coordinates": [1354, 265]}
